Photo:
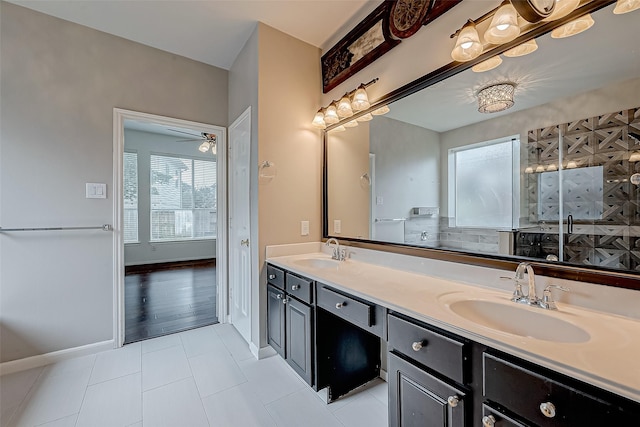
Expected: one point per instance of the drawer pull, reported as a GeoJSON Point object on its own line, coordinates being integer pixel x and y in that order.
{"type": "Point", "coordinates": [453, 401]}
{"type": "Point", "coordinates": [548, 409]}
{"type": "Point", "coordinates": [340, 305]}
{"type": "Point", "coordinates": [417, 346]}
{"type": "Point", "coordinates": [295, 287]}
{"type": "Point", "coordinates": [272, 276]}
{"type": "Point", "coordinates": [488, 421]}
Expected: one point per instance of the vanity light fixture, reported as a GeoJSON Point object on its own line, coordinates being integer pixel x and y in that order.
{"type": "Point", "coordinates": [487, 65]}
{"type": "Point", "coordinates": [571, 164]}
{"type": "Point", "coordinates": [504, 25]}
{"type": "Point", "coordinates": [562, 9]}
{"type": "Point", "coordinates": [528, 169]}
{"type": "Point", "coordinates": [574, 27]}
{"type": "Point", "coordinates": [539, 169]}
{"type": "Point", "coordinates": [365, 118]}
{"type": "Point", "coordinates": [380, 111]}
{"type": "Point", "coordinates": [340, 128]}
{"type": "Point", "coordinates": [522, 49]}
{"type": "Point", "coordinates": [495, 98]}
{"type": "Point", "coordinates": [552, 167]}
{"type": "Point", "coordinates": [351, 124]}
{"type": "Point", "coordinates": [349, 103]}
{"type": "Point", "coordinates": [625, 6]}
{"type": "Point", "coordinates": [468, 44]}
{"type": "Point", "coordinates": [635, 156]}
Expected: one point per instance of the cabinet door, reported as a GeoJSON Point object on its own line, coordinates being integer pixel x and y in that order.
{"type": "Point", "coordinates": [417, 398]}
{"type": "Point", "coordinates": [299, 339]}
{"type": "Point", "coordinates": [276, 319]}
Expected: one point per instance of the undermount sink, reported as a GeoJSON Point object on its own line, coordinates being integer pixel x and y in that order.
{"type": "Point", "coordinates": [519, 320]}
{"type": "Point", "coordinates": [319, 263]}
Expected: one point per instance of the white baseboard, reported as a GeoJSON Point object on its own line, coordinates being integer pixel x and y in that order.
{"type": "Point", "coordinates": [383, 375]}
{"type": "Point", "coordinates": [55, 356]}
{"type": "Point", "coordinates": [261, 353]}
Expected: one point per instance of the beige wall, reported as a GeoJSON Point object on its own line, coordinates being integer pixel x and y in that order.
{"type": "Point", "coordinates": [60, 82]}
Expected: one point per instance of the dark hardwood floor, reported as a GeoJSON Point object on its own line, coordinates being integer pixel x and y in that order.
{"type": "Point", "coordinates": [168, 298]}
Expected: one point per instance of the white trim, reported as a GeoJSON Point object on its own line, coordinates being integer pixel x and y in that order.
{"type": "Point", "coordinates": [53, 357]}
{"type": "Point", "coordinates": [263, 352]}
{"type": "Point", "coordinates": [119, 117]}
{"type": "Point", "coordinates": [222, 254]}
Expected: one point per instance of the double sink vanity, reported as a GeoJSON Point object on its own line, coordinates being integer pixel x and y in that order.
{"type": "Point", "coordinates": [454, 353]}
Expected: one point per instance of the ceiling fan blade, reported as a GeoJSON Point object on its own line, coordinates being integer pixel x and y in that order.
{"type": "Point", "coordinates": [181, 131]}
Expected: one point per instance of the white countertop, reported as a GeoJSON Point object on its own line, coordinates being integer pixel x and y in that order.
{"type": "Point", "coordinates": [609, 359]}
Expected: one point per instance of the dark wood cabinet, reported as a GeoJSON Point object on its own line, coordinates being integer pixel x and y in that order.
{"type": "Point", "coordinates": [417, 398]}
{"type": "Point", "coordinates": [276, 325]}
{"type": "Point", "coordinates": [299, 343]}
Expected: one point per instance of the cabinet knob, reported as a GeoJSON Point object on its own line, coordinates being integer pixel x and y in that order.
{"type": "Point", "coordinates": [488, 421]}
{"type": "Point", "coordinates": [453, 401]}
{"type": "Point", "coordinates": [284, 300]}
{"type": "Point", "coordinates": [417, 346]}
{"type": "Point", "coordinates": [279, 296]}
{"type": "Point", "coordinates": [295, 287]}
{"type": "Point", "coordinates": [272, 276]}
{"type": "Point", "coordinates": [548, 409]}
{"type": "Point", "coordinates": [340, 305]}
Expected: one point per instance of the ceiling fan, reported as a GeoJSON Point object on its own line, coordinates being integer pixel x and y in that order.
{"type": "Point", "coordinates": [209, 140]}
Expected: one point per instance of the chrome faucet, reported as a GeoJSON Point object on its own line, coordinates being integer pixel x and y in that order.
{"type": "Point", "coordinates": [531, 297]}
{"type": "Point", "coordinates": [339, 253]}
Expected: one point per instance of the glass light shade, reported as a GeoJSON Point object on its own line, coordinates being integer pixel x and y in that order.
{"type": "Point", "coordinates": [523, 49]}
{"type": "Point", "coordinates": [344, 107]}
{"type": "Point", "coordinates": [574, 27]}
{"type": "Point", "coordinates": [351, 124]}
{"type": "Point", "coordinates": [562, 9]}
{"type": "Point", "coordinates": [552, 167]}
{"type": "Point", "coordinates": [380, 111]}
{"type": "Point", "coordinates": [496, 98]}
{"type": "Point", "coordinates": [468, 44]}
{"type": "Point", "coordinates": [338, 129]}
{"type": "Point", "coordinates": [331, 115]}
{"type": "Point", "coordinates": [635, 156]}
{"type": "Point", "coordinates": [625, 6]}
{"type": "Point", "coordinates": [214, 148]}
{"type": "Point", "coordinates": [540, 169]}
{"type": "Point", "coordinates": [365, 118]}
{"type": "Point", "coordinates": [360, 99]}
{"type": "Point", "coordinates": [204, 147]}
{"type": "Point", "coordinates": [318, 121]}
{"type": "Point", "coordinates": [487, 65]}
{"type": "Point", "coordinates": [571, 164]}
{"type": "Point", "coordinates": [528, 169]}
{"type": "Point", "coordinates": [504, 25]}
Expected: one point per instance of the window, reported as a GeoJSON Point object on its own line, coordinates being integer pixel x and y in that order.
{"type": "Point", "coordinates": [130, 197]}
{"type": "Point", "coordinates": [183, 198]}
{"type": "Point", "coordinates": [481, 181]}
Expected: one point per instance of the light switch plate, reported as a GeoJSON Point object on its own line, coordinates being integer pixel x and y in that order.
{"type": "Point", "coordinates": [379, 200]}
{"type": "Point", "coordinates": [304, 228]}
{"type": "Point", "coordinates": [96, 190]}
{"type": "Point", "coordinates": [337, 226]}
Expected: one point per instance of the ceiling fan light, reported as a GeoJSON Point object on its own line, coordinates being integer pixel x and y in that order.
{"type": "Point", "coordinates": [468, 44]}
{"type": "Point", "coordinates": [204, 147]}
{"type": "Point", "coordinates": [574, 27]}
{"type": "Point", "coordinates": [360, 99]}
{"type": "Point", "coordinates": [331, 115]}
{"type": "Point", "coordinates": [522, 49]}
{"type": "Point", "coordinates": [487, 65]}
{"type": "Point", "coordinates": [562, 9]}
{"type": "Point", "coordinates": [318, 121]}
{"type": "Point", "coordinates": [625, 6]}
{"type": "Point", "coordinates": [504, 25]}
{"type": "Point", "coordinates": [344, 107]}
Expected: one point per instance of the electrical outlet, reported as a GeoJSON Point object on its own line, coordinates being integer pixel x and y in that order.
{"type": "Point", "coordinates": [337, 226]}
{"type": "Point", "coordinates": [379, 200]}
{"type": "Point", "coordinates": [304, 228]}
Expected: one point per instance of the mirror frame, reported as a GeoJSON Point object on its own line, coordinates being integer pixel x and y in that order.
{"type": "Point", "coordinates": [598, 275]}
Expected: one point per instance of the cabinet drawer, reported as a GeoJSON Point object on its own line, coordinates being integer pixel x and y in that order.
{"type": "Point", "coordinates": [496, 418]}
{"type": "Point", "coordinates": [344, 306]}
{"type": "Point", "coordinates": [275, 276]}
{"type": "Point", "coordinates": [541, 400]}
{"type": "Point", "coordinates": [299, 288]}
{"type": "Point", "coordinates": [429, 348]}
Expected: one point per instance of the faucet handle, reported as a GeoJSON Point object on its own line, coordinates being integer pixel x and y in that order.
{"type": "Point", "coordinates": [517, 295]}
{"type": "Point", "coordinates": [547, 302]}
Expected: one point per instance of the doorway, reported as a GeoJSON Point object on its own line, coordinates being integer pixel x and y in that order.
{"type": "Point", "coordinates": [170, 225]}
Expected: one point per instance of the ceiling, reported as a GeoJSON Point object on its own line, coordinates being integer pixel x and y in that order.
{"type": "Point", "coordinates": [209, 31]}
{"type": "Point", "coordinates": [606, 53]}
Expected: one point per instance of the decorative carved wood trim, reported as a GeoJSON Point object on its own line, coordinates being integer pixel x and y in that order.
{"type": "Point", "coordinates": [377, 34]}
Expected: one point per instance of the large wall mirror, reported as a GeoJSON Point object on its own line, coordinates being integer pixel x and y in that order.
{"type": "Point", "coordinates": [554, 179]}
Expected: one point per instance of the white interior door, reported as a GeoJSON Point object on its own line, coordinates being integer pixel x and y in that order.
{"type": "Point", "coordinates": [239, 225]}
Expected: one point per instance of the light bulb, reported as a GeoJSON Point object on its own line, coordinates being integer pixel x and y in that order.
{"type": "Point", "coordinates": [344, 107]}
{"type": "Point", "coordinates": [468, 44]}
{"type": "Point", "coordinates": [504, 25]}
{"type": "Point", "coordinates": [331, 115]}
{"type": "Point", "coordinates": [318, 121]}
{"type": "Point", "coordinates": [360, 99]}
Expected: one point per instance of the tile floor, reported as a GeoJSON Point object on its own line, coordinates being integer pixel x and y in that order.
{"type": "Point", "coordinates": [202, 377]}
